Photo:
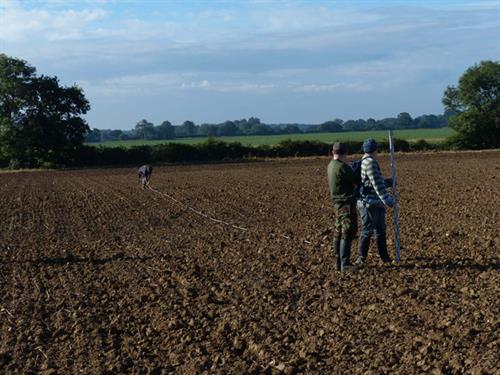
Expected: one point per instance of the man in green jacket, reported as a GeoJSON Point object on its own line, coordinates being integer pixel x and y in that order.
{"type": "Point", "coordinates": [342, 182]}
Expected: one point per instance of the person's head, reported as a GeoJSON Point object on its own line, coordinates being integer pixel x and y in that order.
{"type": "Point", "coordinates": [370, 146]}
{"type": "Point", "coordinates": [339, 151]}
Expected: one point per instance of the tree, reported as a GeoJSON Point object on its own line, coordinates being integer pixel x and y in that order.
{"type": "Point", "coordinates": [40, 121]}
{"type": "Point", "coordinates": [354, 125]}
{"type": "Point", "coordinates": [331, 126]}
{"type": "Point", "coordinates": [371, 124]}
{"type": "Point", "coordinates": [475, 103]}
{"type": "Point", "coordinates": [145, 129]}
{"type": "Point", "coordinates": [430, 121]}
{"type": "Point", "coordinates": [116, 134]}
{"type": "Point", "coordinates": [93, 135]}
{"type": "Point", "coordinates": [228, 128]}
{"type": "Point", "coordinates": [254, 121]}
{"type": "Point", "coordinates": [208, 130]}
{"type": "Point", "coordinates": [404, 121]}
{"type": "Point", "coordinates": [188, 129]}
{"type": "Point", "coordinates": [165, 131]}
{"type": "Point", "coordinates": [291, 129]}
{"type": "Point", "coordinates": [387, 123]}
{"type": "Point", "coordinates": [244, 126]}
{"type": "Point", "coordinates": [259, 129]}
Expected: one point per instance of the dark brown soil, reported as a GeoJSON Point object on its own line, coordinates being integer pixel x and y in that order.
{"type": "Point", "coordinates": [98, 276]}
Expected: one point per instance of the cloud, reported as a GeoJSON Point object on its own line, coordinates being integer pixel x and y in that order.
{"type": "Point", "coordinates": [257, 50]}
{"type": "Point", "coordinates": [481, 5]}
{"type": "Point", "coordinates": [292, 18]}
{"type": "Point", "coordinates": [334, 32]}
{"type": "Point", "coordinates": [22, 25]}
{"type": "Point", "coordinates": [334, 87]}
{"type": "Point", "coordinates": [228, 87]}
{"type": "Point", "coordinates": [135, 85]}
{"type": "Point", "coordinates": [167, 84]}
{"type": "Point", "coordinates": [258, 88]}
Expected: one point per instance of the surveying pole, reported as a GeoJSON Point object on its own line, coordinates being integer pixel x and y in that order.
{"type": "Point", "coordinates": [395, 193]}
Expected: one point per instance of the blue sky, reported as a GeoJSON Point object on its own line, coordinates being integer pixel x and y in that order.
{"type": "Point", "coordinates": [281, 61]}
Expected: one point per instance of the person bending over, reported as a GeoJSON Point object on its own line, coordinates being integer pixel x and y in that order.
{"type": "Point", "coordinates": [144, 175]}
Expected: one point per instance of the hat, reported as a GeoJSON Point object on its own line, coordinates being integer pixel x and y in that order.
{"type": "Point", "coordinates": [370, 145]}
{"type": "Point", "coordinates": [339, 148]}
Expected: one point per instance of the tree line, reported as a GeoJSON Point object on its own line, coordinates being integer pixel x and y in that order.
{"type": "Point", "coordinates": [253, 126]}
{"type": "Point", "coordinates": [41, 124]}
{"type": "Point", "coordinates": [213, 150]}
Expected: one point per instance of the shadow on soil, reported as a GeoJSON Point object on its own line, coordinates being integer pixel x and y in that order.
{"type": "Point", "coordinates": [418, 263]}
{"type": "Point", "coordinates": [447, 264]}
{"type": "Point", "coordinates": [71, 259]}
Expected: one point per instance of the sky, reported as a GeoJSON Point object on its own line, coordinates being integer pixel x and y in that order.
{"type": "Point", "coordinates": [281, 61]}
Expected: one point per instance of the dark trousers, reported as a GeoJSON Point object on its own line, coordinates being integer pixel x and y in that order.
{"type": "Point", "coordinates": [373, 224]}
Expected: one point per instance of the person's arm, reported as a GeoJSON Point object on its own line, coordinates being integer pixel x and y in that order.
{"type": "Point", "coordinates": [377, 181]}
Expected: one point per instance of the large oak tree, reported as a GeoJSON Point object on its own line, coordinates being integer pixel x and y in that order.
{"type": "Point", "coordinates": [475, 103]}
{"type": "Point", "coordinates": [40, 120]}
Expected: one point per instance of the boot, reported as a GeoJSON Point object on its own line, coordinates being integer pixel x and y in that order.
{"type": "Point", "coordinates": [336, 249]}
{"type": "Point", "coordinates": [364, 245]}
{"type": "Point", "coordinates": [345, 255]}
{"type": "Point", "coordinates": [382, 249]}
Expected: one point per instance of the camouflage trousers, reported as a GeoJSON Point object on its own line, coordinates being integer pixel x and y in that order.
{"type": "Point", "coordinates": [346, 220]}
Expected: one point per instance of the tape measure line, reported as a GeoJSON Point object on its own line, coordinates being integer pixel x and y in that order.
{"type": "Point", "coordinates": [215, 220]}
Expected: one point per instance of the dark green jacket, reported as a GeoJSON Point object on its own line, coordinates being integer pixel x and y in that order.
{"type": "Point", "coordinates": [341, 181]}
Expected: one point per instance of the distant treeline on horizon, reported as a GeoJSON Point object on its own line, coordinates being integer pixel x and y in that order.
{"type": "Point", "coordinates": [253, 126]}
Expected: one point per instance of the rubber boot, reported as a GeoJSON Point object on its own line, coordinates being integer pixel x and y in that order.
{"type": "Point", "coordinates": [382, 249]}
{"type": "Point", "coordinates": [364, 245]}
{"type": "Point", "coordinates": [345, 255]}
{"type": "Point", "coordinates": [336, 249]}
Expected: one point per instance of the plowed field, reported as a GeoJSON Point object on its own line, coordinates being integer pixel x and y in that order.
{"type": "Point", "coordinates": [98, 276]}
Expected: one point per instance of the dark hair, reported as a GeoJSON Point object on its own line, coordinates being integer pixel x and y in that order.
{"type": "Point", "coordinates": [339, 148]}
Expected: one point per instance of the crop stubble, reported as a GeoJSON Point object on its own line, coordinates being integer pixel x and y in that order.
{"type": "Point", "coordinates": [98, 276]}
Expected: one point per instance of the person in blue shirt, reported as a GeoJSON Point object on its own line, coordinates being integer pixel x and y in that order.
{"type": "Point", "coordinates": [372, 203]}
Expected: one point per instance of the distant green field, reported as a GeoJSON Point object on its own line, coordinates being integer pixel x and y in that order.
{"type": "Point", "coordinates": [411, 135]}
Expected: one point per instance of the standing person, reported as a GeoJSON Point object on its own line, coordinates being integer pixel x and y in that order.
{"type": "Point", "coordinates": [372, 203]}
{"type": "Point", "coordinates": [341, 182]}
{"type": "Point", "coordinates": [144, 175]}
